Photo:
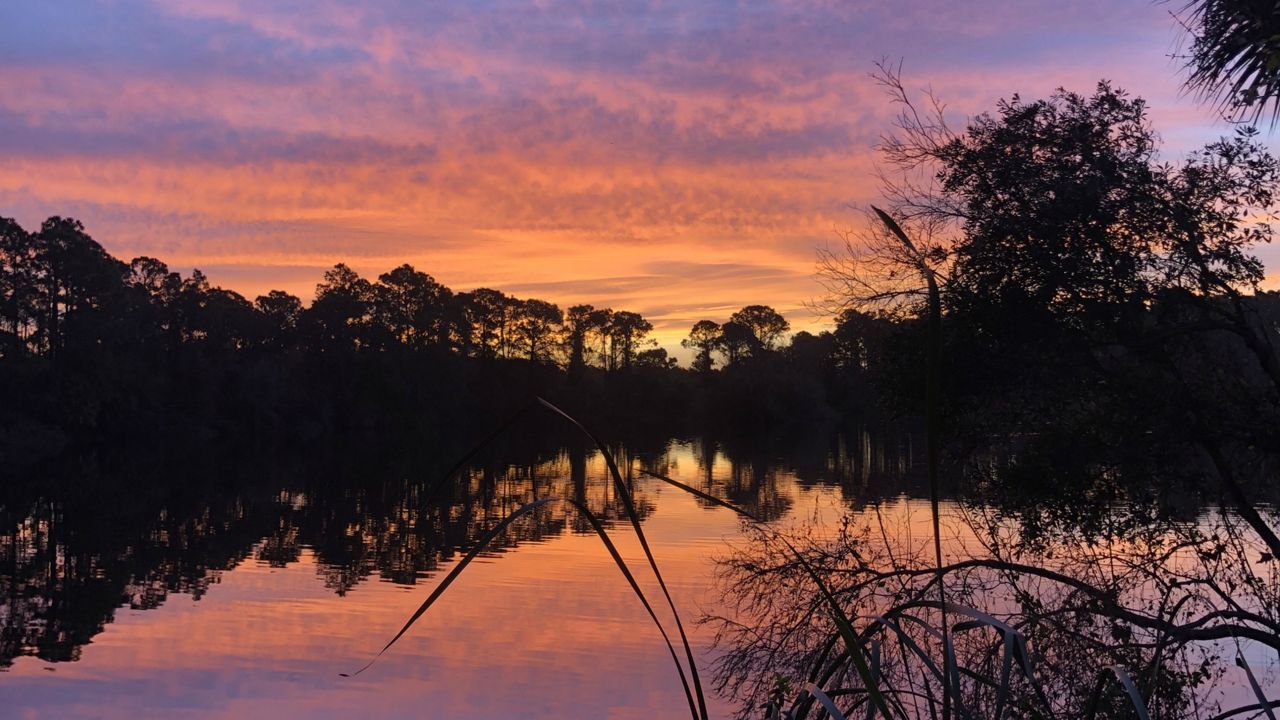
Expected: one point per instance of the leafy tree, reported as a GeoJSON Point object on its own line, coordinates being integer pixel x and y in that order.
{"type": "Point", "coordinates": [1234, 59]}
{"type": "Point", "coordinates": [1084, 231]}
{"type": "Point", "coordinates": [156, 290]}
{"type": "Point", "coordinates": [581, 322]}
{"type": "Point", "coordinates": [456, 330]}
{"type": "Point", "coordinates": [228, 322]}
{"type": "Point", "coordinates": [282, 312]}
{"type": "Point", "coordinates": [339, 317]}
{"type": "Point", "coordinates": [411, 306]}
{"type": "Point", "coordinates": [535, 328]}
{"type": "Point", "coordinates": [188, 305]}
{"type": "Point", "coordinates": [859, 340]}
{"type": "Point", "coordinates": [765, 323]}
{"type": "Point", "coordinates": [601, 320]}
{"type": "Point", "coordinates": [76, 282]}
{"type": "Point", "coordinates": [1057, 215]}
{"type": "Point", "coordinates": [703, 338]}
{"type": "Point", "coordinates": [154, 277]}
{"type": "Point", "coordinates": [17, 285]}
{"type": "Point", "coordinates": [214, 318]}
{"type": "Point", "coordinates": [655, 358]}
{"type": "Point", "coordinates": [811, 353]}
{"type": "Point", "coordinates": [626, 331]}
{"type": "Point", "coordinates": [1092, 294]}
{"type": "Point", "coordinates": [488, 313]}
{"type": "Point", "coordinates": [736, 341]}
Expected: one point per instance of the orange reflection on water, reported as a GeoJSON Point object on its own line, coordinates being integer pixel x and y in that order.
{"type": "Point", "coordinates": [549, 629]}
{"type": "Point", "coordinates": [544, 628]}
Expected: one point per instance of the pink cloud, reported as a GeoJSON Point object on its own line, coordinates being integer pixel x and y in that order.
{"type": "Point", "coordinates": [553, 146]}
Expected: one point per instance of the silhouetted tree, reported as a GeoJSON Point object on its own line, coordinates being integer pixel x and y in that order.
{"type": "Point", "coordinates": [703, 338]}
{"type": "Point", "coordinates": [579, 322]}
{"type": "Point", "coordinates": [765, 323]}
{"type": "Point", "coordinates": [1054, 218]}
{"type": "Point", "coordinates": [489, 314]}
{"type": "Point", "coordinates": [18, 292]}
{"type": "Point", "coordinates": [626, 331]}
{"type": "Point", "coordinates": [535, 327]}
{"type": "Point", "coordinates": [600, 322]}
{"type": "Point", "coordinates": [1092, 295]}
{"type": "Point", "coordinates": [76, 284]}
{"type": "Point", "coordinates": [655, 358]}
{"type": "Point", "coordinates": [91, 345]}
{"type": "Point", "coordinates": [811, 353]}
{"type": "Point", "coordinates": [1060, 207]}
{"type": "Point", "coordinates": [1235, 55]}
{"type": "Point", "coordinates": [340, 315]}
{"type": "Point", "coordinates": [282, 312]}
{"type": "Point", "coordinates": [859, 340]}
{"type": "Point", "coordinates": [457, 330]}
{"type": "Point", "coordinates": [411, 306]}
{"type": "Point", "coordinates": [736, 342]}
{"type": "Point", "coordinates": [153, 276]}
{"type": "Point", "coordinates": [229, 321]}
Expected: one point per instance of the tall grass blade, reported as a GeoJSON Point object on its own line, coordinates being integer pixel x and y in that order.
{"type": "Point", "coordinates": [933, 408]}
{"type": "Point", "coordinates": [598, 527]}
{"type": "Point", "coordinates": [819, 674]}
{"type": "Point", "coordinates": [875, 675]}
{"type": "Point", "coordinates": [1006, 670]}
{"type": "Point", "coordinates": [827, 703]}
{"type": "Point", "coordinates": [1122, 677]}
{"type": "Point", "coordinates": [952, 697]}
{"type": "Point", "coordinates": [479, 547]}
{"type": "Point", "coordinates": [821, 660]}
{"type": "Point", "coordinates": [624, 493]}
{"type": "Point", "coordinates": [1163, 639]}
{"type": "Point", "coordinates": [1246, 709]}
{"type": "Point", "coordinates": [1257, 689]}
{"type": "Point", "coordinates": [854, 644]}
{"type": "Point", "coordinates": [909, 642]}
{"type": "Point", "coordinates": [1019, 643]}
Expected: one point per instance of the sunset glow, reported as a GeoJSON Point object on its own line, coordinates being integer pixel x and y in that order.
{"type": "Point", "coordinates": [678, 161]}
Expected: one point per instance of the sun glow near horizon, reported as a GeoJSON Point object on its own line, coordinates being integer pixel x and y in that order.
{"type": "Point", "coordinates": [680, 162]}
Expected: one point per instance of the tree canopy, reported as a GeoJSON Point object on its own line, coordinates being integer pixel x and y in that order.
{"type": "Point", "coordinates": [1234, 55]}
{"type": "Point", "coordinates": [1060, 210]}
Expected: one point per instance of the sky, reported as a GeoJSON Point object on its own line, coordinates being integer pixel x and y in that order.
{"type": "Point", "coordinates": [680, 159]}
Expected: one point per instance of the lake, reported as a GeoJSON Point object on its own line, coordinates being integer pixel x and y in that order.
{"type": "Point", "coordinates": [246, 585]}
{"type": "Point", "coordinates": [248, 597]}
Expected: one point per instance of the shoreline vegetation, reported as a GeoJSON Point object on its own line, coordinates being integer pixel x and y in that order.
{"type": "Point", "coordinates": [96, 351]}
{"type": "Point", "coordinates": [1091, 321]}
{"type": "Point", "coordinates": [1079, 323]}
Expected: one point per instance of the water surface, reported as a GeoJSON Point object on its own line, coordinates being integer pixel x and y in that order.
{"type": "Point", "coordinates": [249, 598]}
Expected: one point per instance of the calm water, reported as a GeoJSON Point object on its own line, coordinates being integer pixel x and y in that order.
{"type": "Point", "coordinates": [244, 590]}
{"type": "Point", "coordinates": [249, 600]}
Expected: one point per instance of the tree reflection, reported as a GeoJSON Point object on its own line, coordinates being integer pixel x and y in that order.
{"type": "Point", "coordinates": [1091, 576]}
{"type": "Point", "coordinates": [70, 560]}
{"type": "Point", "coordinates": [146, 529]}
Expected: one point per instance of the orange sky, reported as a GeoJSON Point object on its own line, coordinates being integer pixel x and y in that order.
{"type": "Point", "coordinates": [680, 160]}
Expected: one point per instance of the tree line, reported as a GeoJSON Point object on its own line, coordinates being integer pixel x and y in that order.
{"type": "Point", "coordinates": [90, 344]}
{"type": "Point", "coordinates": [1108, 396]}
{"type": "Point", "coordinates": [60, 292]}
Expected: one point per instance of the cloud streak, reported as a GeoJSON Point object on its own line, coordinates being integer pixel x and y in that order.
{"type": "Point", "coordinates": [680, 159]}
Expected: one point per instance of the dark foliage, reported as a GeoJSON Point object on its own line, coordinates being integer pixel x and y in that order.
{"type": "Point", "coordinates": [1234, 58]}
{"type": "Point", "coordinates": [95, 351]}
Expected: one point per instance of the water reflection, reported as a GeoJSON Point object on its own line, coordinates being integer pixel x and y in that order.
{"type": "Point", "coordinates": [292, 570]}
{"type": "Point", "coordinates": [81, 544]}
